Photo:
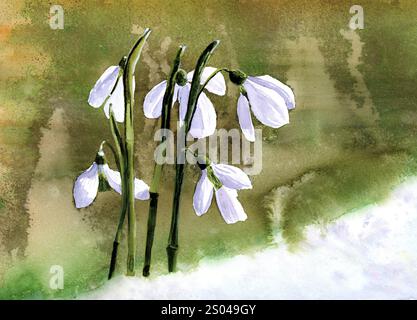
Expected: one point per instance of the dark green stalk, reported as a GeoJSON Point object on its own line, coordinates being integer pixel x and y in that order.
{"type": "Point", "coordinates": [153, 208]}
{"type": "Point", "coordinates": [165, 124]}
{"type": "Point", "coordinates": [172, 248]}
{"type": "Point", "coordinates": [118, 236]}
{"type": "Point", "coordinates": [129, 173]}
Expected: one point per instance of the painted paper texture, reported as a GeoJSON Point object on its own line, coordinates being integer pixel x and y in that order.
{"type": "Point", "coordinates": [307, 115]}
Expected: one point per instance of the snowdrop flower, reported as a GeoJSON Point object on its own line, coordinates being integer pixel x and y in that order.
{"type": "Point", "coordinates": [99, 177]}
{"type": "Point", "coordinates": [204, 121]}
{"type": "Point", "coordinates": [223, 180]}
{"type": "Point", "coordinates": [268, 98]}
{"type": "Point", "coordinates": [103, 93]}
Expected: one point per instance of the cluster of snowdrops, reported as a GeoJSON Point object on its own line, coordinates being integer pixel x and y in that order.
{"type": "Point", "coordinates": [268, 99]}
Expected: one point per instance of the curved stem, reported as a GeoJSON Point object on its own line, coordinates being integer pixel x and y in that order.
{"type": "Point", "coordinates": [117, 139]}
{"type": "Point", "coordinates": [195, 84]}
{"type": "Point", "coordinates": [209, 78]}
{"type": "Point", "coordinates": [118, 152]}
{"type": "Point", "coordinates": [120, 163]}
{"type": "Point", "coordinates": [113, 151]}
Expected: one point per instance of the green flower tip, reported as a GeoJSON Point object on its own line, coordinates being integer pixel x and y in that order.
{"type": "Point", "coordinates": [237, 77]}
{"type": "Point", "coordinates": [181, 77]}
{"type": "Point", "coordinates": [100, 158]}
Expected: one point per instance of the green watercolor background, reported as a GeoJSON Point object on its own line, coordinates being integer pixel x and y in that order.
{"type": "Point", "coordinates": [351, 160]}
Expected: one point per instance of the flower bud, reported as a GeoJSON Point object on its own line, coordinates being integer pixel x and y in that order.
{"type": "Point", "coordinates": [181, 77]}
{"type": "Point", "coordinates": [237, 77]}
{"type": "Point", "coordinates": [100, 158]}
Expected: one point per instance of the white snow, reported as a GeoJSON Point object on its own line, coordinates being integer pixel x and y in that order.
{"type": "Point", "coordinates": [368, 254]}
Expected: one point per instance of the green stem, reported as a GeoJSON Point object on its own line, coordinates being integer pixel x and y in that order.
{"type": "Point", "coordinates": [172, 248]}
{"type": "Point", "coordinates": [195, 84]}
{"type": "Point", "coordinates": [118, 150]}
{"type": "Point", "coordinates": [116, 154]}
{"type": "Point", "coordinates": [153, 207]}
{"type": "Point", "coordinates": [119, 232]}
{"type": "Point", "coordinates": [129, 172]}
{"type": "Point", "coordinates": [165, 124]}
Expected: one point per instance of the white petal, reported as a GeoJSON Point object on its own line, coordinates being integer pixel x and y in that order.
{"type": "Point", "coordinates": [86, 187]}
{"type": "Point", "coordinates": [203, 194]}
{"type": "Point", "coordinates": [141, 190]}
{"type": "Point", "coordinates": [230, 207]}
{"type": "Point", "coordinates": [205, 118]}
{"type": "Point", "coordinates": [117, 102]}
{"type": "Point", "coordinates": [176, 94]}
{"type": "Point", "coordinates": [183, 93]}
{"type": "Point", "coordinates": [282, 89]}
{"type": "Point", "coordinates": [267, 105]}
{"type": "Point", "coordinates": [245, 118]}
{"type": "Point", "coordinates": [231, 176]}
{"type": "Point", "coordinates": [152, 107]}
{"type": "Point", "coordinates": [103, 86]}
{"type": "Point", "coordinates": [113, 178]}
{"type": "Point", "coordinates": [216, 85]}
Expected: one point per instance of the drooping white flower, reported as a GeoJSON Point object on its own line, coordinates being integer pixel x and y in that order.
{"type": "Point", "coordinates": [205, 118]}
{"type": "Point", "coordinates": [102, 93]}
{"type": "Point", "coordinates": [229, 206]}
{"type": "Point", "coordinates": [269, 100]}
{"type": "Point", "coordinates": [223, 180]}
{"type": "Point", "coordinates": [97, 178]}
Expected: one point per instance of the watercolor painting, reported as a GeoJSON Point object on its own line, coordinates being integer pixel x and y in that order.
{"type": "Point", "coordinates": [245, 149]}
